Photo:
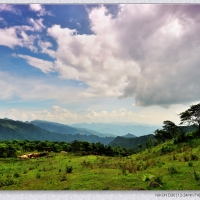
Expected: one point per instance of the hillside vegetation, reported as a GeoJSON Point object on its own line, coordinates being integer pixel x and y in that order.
{"type": "Point", "coordinates": [132, 142]}
{"type": "Point", "coordinates": [169, 160]}
{"type": "Point", "coordinates": [65, 129]}
{"type": "Point", "coordinates": [10, 129]}
{"type": "Point", "coordinates": [167, 166]}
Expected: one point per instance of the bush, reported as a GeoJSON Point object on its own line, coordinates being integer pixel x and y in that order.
{"type": "Point", "coordinates": [174, 157]}
{"type": "Point", "coordinates": [189, 136]}
{"type": "Point", "coordinates": [196, 175]}
{"type": "Point", "coordinates": [7, 182]}
{"type": "Point", "coordinates": [86, 163]}
{"type": "Point", "coordinates": [190, 164]}
{"type": "Point", "coordinates": [152, 178]}
{"type": "Point", "coordinates": [158, 179]}
{"type": "Point", "coordinates": [69, 169]}
{"type": "Point", "coordinates": [193, 157]}
{"type": "Point", "coordinates": [166, 149]}
{"type": "Point", "coordinates": [123, 168]}
{"type": "Point", "coordinates": [172, 170]}
{"type": "Point", "coordinates": [38, 176]}
{"type": "Point", "coordinates": [16, 175]}
{"type": "Point", "coordinates": [185, 157]}
{"type": "Point", "coordinates": [63, 178]}
{"type": "Point", "coordinates": [148, 177]}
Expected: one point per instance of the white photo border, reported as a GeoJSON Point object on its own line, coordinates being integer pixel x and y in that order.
{"type": "Point", "coordinates": [99, 195]}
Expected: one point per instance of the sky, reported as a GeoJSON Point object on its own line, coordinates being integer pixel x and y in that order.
{"type": "Point", "coordinates": [99, 63]}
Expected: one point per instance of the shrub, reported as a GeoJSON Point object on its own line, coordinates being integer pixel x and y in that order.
{"type": "Point", "coordinates": [165, 149]}
{"type": "Point", "coordinates": [7, 182]}
{"type": "Point", "coordinates": [196, 175]}
{"type": "Point", "coordinates": [69, 169]}
{"type": "Point", "coordinates": [193, 157]}
{"type": "Point", "coordinates": [38, 176]}
{"type": "Point", "coordinates": [174, 157]}
{"type": "Point", "coordinates": [172, 170]}
{"type": "Point", "coordinates": [158, 179]}
{"type": "Point", "coordinates": [86, 163]}
{"type": "Point", "coordinates": [63, 178]}
{"type": "Point", "coordinates": [189, 136]}
{"type": "Point", "coordinates": [148, 177]}
{"type": "Point", "coordinates": [16, 175]}
{"type": "Point", "coordinates": [123, 168]}
{"type": "Point", "coordinates": [190, 164]}
{"type": "Point", "coordinates": [185, 157]}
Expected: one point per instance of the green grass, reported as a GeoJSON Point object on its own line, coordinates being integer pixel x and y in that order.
{"type": "Point", "coordinates": [175, 167]}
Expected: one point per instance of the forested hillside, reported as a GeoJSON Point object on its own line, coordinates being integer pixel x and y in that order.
{"type": "Point", "coordinates": [10, 129]}
{"type": "Point", "coordinates": [65, 129]}
{"type": "Point", "coordinates": [132, 142]}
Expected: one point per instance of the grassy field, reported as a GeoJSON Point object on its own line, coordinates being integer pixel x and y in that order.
{"type": "Point", "coordinates": [164, 167]}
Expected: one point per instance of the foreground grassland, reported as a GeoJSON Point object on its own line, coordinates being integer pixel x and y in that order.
{"type": "Point", "coordinates": [164, 167]}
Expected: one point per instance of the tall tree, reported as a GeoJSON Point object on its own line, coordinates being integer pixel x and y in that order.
{"type": "Point", "coordinates": [171, 128]}
{"type": "Point", "coordinates": [191, 116]}
{"type": "Point", "coordinates": [169, 131]}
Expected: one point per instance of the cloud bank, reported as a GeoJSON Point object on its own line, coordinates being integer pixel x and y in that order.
{"type": "Point", "coordinates": [146, 52]}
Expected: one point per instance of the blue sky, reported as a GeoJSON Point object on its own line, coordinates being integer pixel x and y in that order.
{"type": "Point", "coordinates": [98, 63]}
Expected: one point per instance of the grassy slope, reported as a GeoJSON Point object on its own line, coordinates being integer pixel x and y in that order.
{"type": "Point", "coordinates": [100, 172]}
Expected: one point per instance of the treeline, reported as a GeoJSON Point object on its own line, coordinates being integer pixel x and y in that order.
{"type": "Point", "coordinates": [15, 148]}
{"type": "Point", "coordinates": [180, 134]}
{"type": "Point", "coordinates": [176, 133]}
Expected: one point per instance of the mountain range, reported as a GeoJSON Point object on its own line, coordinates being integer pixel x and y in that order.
{"type": "Point", "coordinates": [107, 134]}
{"type": "Point", "coordinates": [45, 130]}
{"type": "Point", "coordinates": [119, 129]}
{"type": "Point", "coordinates": [10, 129]}
{"type": "Point", "coordinates": [65, 129]}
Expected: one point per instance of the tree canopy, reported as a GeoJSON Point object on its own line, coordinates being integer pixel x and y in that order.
{"type": "Point", "coordinates": [169, 131]}
{"type": "Point", "coordinates": [191, 115]}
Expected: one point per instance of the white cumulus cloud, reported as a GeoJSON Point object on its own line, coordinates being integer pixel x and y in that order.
{"type": "Point", "coordinates": [44, 65]}
{"type": "Point", "coordinates": [9, 8]}
{"type": "Point", "coordinates": [17, 36]}
{"type": "Point", "coordinates": [37, 24]}
{"type": "Point", "coordinates": [39, 9]}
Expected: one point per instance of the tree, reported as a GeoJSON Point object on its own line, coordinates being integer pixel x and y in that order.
{"type": "Point", "coordinates": [149, 143]}
{"type": "Point", "coordinates": [169, 131]}
{"type": "Point", "coordinates": [76, 145]}
{"type": "Point", "coordinates": [160, 135]}
{"type": "Point", "coordinates": [140, 146]}
{"type": "Point", "coordinates": [171, 128]}
{"type": "Point", "coordinates": [191, 115]}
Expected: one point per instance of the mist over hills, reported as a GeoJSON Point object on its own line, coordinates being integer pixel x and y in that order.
{"type": "Point", "coordinates": [120, 129]}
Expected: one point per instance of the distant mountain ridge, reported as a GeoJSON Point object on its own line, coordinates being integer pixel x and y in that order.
{"type": "Point", "coordinates": [66, 129]}
{"type": "Point", "coordinates": [10, 129]}
{"type": "Point", "coordinates": [118, 130]}
{"type": "Point", "coordinates": [129, 136]}
{"type": "Point", "coordinates": [131, 142]}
